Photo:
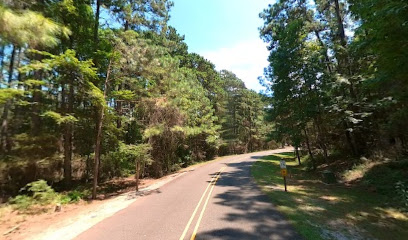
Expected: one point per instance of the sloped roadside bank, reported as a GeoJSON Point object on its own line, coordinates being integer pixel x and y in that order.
{"type": "Point", "coordinates": [320, 211]}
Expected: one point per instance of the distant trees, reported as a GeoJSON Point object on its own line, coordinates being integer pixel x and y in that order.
{"type": "Point", "coordinates": [244, 128]}
{"type": "Point", "coordinates": [82, 99]}
{"type": "Point", "coordinates": [332, 90]}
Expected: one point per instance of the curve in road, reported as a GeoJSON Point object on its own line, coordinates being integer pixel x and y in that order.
{"type": "Point", "coordinates": [218, 200]}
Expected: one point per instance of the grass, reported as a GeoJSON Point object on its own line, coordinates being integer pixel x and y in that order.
{"type": "Point", "coordinates": [320, 211]}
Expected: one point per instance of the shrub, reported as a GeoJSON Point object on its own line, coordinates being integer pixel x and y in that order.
{"type": "Point", "coordinates": [402, 191]}
{"type": "Point", "coordinates": [21, 202]}
{"type": "Point", "coordinates": [76, 195]}
{"type": "Point", "coordinates": [34, 193]}
{"type": "Point", "coordinates": [40, 191]}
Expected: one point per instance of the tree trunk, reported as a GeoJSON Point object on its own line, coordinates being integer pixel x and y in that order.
{"type": "Point", "coordinates": [63, 111]}
{"type": "Point", "coordinates": [99, 134]}
{"type": "Point", "coordinates": [97, 151]}
{"type": "Point", "coordinates": [325, 53]}
{"type": "Point", "coordinates": [342, 34]}
{"type": "Point", "coordinates": [96, 28]}
{"type": "Point", "coordinates": [35, 115]}
{"type": "Point", "coordinates": [67, 154]}
{"type": "Point", "coordinates": [5, 138]}
{"type": "Point", "coordinates": [68, 137]}
{"type": "Point", "coordinates": [350, 139]}
{"type": "Point", "coordinates": [309, 150]}
{"type": "Point", "coordinates": [87, 167]}
{"type": "Point", "coordinates": [119, 112]}
{"type": "Point", "coordinates": [137, 175]}
{"type": "Point", "coordinates": [19, 57]}
{"type": "Point", "coordinates": [297, 155]}
{"type": "Point", "coordinates": [321, 137]}
{"type": "Point", "coordinates": [2, 61]}
{"type": "Point", "coordinates": [11, 66]}
{"type": "Point", "coordinates": [344, 62]}
{"type": "Point", "coordinates": [345, 68]}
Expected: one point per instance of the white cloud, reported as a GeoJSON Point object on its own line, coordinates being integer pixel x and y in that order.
{"type": "Point", "coordinates": [246, 59]}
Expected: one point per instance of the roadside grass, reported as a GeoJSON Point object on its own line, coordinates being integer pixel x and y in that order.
{"type": "Point", "coordinates": [321, 211]}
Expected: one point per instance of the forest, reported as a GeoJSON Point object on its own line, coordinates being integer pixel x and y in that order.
{"type": "Point", "coordinates": [93, 90]}
{"type": "Point", "coordinates": [101, 97]}
{"type": "Point", "coordinates": [338, 76]}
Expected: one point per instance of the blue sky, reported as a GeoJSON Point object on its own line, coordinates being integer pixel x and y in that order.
{"type": "Point", "coordinates": [226, 33]}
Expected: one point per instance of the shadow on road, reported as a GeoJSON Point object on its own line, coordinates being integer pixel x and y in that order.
{"type": "Point", "coordinates": [251, 211]}
{"type": "Point", "coordinates": [135, 194]}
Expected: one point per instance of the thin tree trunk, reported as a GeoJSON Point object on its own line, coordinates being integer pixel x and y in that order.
{"type": "Point", "coordinates": [2, 62]}
{"type": "Point", "coordinates": [325, 52]}
{"type": "Point", "coordinates": [137, 175]}
{"type": "Point", "coordinates": [68, 154]}
{"type": "Point", "coordinates": [321, 137]}
{"type": "Point", "coordinates": [340, 23]}
{"type": "Point", "coordinates": [309, 150]}
{"type": "Point", "coordinates": [344, 61]}
{"type": "Point", "coordinates": [68, 138]}
{"type": "Point", "coordinates": [5, 138]}
{"type": "Point", "coordinates": [63, 111]}
{"type": "Point", "coordinates": [5, 142]}
{"type": "Point", "coordinates": [3, 47]}
{"type": "Point", "coordinates": [96, 28]}
{"type": "Point", "coordinates": [350, 139]}
{"type": "Point", "coordinates": [35, 115]}
{"type": "Point", "coordinates": [345, 67]}
{"type": "Point", "coordinates": [87, 167]}
{"type": "Point", "coordinates": [297, 155]}
{"type": "Point", "coordinates": [119, 112]}
{"type": "Point", "coordinates": [99, 134]}
{"type": "Point", "coordinates": [11, 66]}
{"type": "Point", "coordinates": [19, 57]}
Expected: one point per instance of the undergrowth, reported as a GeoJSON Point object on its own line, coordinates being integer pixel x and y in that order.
{"type": "Point", "coordinates": [37, 196]}
{"type": "Point", "coordinates": [337, 211]}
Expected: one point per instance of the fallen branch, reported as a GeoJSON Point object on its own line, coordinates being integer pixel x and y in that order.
{"type": "Point", "coordinates": [11, 230]}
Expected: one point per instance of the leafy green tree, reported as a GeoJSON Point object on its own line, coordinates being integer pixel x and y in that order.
{"type": "Point", "coordinates": [85, 99]}
{"type": "Point", "coordinates": [381, 40]}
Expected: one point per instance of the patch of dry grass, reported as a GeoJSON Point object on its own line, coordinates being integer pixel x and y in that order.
{"type": "Point", "coordinates": [320, 211]}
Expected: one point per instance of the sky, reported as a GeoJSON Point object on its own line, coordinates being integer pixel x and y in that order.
{"type": "Point", "coordinates": [226, 33]}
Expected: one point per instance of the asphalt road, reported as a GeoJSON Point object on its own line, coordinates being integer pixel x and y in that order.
{"type": "Point", "coordinates": [218, 200]}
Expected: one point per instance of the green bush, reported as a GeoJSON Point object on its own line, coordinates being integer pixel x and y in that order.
{"type": "Point", "coordinates": [76, 195]}
{"type": "Point", "coordinates": [21, 202]}
{"type": "Point", "coordinates": [64, 199]}
{"type": "Point", "coordinates": [73, 196]}
{"type": "Point", "coordinates": [40, 191]}
{"type": "Point", "coordinates": [34, 193]}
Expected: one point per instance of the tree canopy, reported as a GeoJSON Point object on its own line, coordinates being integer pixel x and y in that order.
{"type": "Point", "coordinates": [337, 74]}
{"type": "Point", "coordinates": [86, 100]}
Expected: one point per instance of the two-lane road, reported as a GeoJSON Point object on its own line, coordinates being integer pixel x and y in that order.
{"type": "Point", "coordinates": [214, 201]}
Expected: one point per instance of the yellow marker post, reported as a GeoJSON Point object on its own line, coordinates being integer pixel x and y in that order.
{"type": "Point", "coordinates": [284, 172]}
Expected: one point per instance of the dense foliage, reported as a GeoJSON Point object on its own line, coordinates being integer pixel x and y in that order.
{"type": "Point", "coordinates": [338, 75]}
{"type": "Point", "coordinates": [105, 88]}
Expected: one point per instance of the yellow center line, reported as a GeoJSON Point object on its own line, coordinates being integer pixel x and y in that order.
{"type": "Point", "coordinates": [205, 205]}
{"type": "Point", "coordinates": [198, 205]}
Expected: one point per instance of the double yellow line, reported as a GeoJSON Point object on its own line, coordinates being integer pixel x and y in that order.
{"type": "Point", "coordinates": [212, 185]}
